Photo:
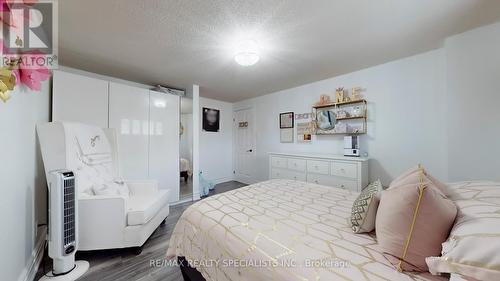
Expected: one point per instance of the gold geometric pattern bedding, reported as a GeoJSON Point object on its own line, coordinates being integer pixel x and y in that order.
{"type": "Point", "coordinates": [280, 230]}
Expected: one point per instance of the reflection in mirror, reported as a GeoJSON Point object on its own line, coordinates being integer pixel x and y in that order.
{"type": "Point", "coordinates": [326, 119]}
{"type": "Point", "coordinates": [186, 149]}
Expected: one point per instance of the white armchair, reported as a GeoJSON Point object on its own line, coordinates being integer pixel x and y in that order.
{"type": "Point", "coordinates": [113, 213]}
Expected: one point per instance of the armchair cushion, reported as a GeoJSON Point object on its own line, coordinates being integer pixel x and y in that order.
{"type": "Point", "coordinates": [142, 208]}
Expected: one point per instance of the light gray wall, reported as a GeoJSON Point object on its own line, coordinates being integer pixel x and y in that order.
{"type": "Point", "coordinates": [473, 80]}
{"type": "Point", "coordinates": [216, 157]}
{"type": "Point", "coordinates": [406, 118]}
{"type": "Point", "coordinates": [440, 109]}
{"type": "Point", "coordinates": [22, 179]}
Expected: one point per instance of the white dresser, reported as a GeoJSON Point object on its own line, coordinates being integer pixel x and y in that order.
{"type": "Point", "coordinates": [331, 170]}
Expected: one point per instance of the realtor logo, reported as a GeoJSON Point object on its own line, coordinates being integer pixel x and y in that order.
{"type": "Point", "coordinates": [30, 33]}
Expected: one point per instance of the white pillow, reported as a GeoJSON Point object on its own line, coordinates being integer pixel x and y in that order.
{"type": "Point", "coordinates": [472, 250]}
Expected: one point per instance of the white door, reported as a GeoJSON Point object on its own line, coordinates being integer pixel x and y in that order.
{"type": "Point", "coordinates": [164, 142]}
{"type": "Point", "coordinates": [244, 145]}
{"type": "Point", "coordinates": [78, 98]}
{"type": "Point", "coordinates": [129, 115]}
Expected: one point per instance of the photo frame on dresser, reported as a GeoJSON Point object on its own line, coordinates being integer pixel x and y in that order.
{"type": "Point", "coordinates": [286, 120]}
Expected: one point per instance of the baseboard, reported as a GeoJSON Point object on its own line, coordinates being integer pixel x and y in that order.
{"type": "Point", "coordinates": [222, 180]}
{"type": "Point", "coordinates": [196, 196]}
{"type": "Point", "coordinates": [29, 272]}
{"type": "Point", "coordinates": [181, 201]}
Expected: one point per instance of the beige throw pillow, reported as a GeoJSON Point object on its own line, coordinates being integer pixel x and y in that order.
{"type": "Point", "coordinates": [364, 208]}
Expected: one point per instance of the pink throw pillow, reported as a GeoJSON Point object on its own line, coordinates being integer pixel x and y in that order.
{"type": "Point", "coordinates": [409, 175]}
{"type": "Point", "coordinates": [414, 218]}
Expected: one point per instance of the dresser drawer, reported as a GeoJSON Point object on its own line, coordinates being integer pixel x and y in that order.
{"type": "Point", "coordinates": [297, 164]}
{"type": "Point", "coordinates": [287, 175]}
{"type": "Point", "coordinates": [291, 175]}
{"type": "Point", "coordinates": [346, 184]}
{"type": "Point", "coordinates": [344, 169]}
{"type": "Point", "coordinates": [333, 181]}
{"type": "Point", "coordinates": [278, 173]}
{"type": "Point", "coordinates": [278, 162]}
{"type": "Point", "coordinates": [318, 167]}
{"type": "Point", "coordinates": [321, 179]}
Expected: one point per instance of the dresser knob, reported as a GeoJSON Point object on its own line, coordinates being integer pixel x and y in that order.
{"type": "Point", "coordinates": [295, 178]}
{"type": "Point", "coordinates": [316, 182]}
{"type": "Point", "coordinates": [342, 186]}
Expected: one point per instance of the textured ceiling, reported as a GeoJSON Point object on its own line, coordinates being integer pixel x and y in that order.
{"type": "Point", "coordinates": [186, 42]}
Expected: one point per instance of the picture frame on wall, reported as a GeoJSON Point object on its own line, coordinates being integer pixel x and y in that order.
{"type": "Point", "coordinates": [303, 132]}
{"type": "Point", "coordinates": [211, 120]}
{"type": "Point", "coordinates": [286, 135]}
{"type": "Point", "coordinates": [286, 120]}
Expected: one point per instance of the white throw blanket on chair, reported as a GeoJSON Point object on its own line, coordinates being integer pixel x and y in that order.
{"type": "Point", "coordinates": [93, 164]}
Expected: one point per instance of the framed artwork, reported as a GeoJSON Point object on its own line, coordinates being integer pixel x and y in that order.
{"type": "Point", "coordinates": [303, 132]}
{"type": "Point", "coordinates": [286, 120]}
{"type": "Point", "coordinates": [286, 135]}
{"type": "Point", "coordinates": [211, 119]}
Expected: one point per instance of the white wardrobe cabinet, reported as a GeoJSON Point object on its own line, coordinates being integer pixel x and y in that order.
{"type": "Point", "coordinates": [129, 115]}
{"type": "Point", "coordinates": [146, 123]}
{"type": "Point", "coordinates": [164, 141]}
{"type": "Point", "coordinates": [78, 98]}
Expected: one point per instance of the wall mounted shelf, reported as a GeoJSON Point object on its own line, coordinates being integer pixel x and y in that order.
{"type": "Point", "coordinates": [339, 103]}
{"type": "Point", "coordinates": [352, 123]}
{"type": "Point", "coordinates": [351, 117]}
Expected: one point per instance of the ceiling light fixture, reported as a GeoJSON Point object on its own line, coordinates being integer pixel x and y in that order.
{"type": "Point", "coordinates": [247, 53]}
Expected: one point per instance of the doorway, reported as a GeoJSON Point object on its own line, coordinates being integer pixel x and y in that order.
{"type": "Point", "coordinates": [244, 145]}
{"type": "Point", "coordinates": [186, 149]}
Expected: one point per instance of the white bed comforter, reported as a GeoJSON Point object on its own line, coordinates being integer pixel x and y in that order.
{"type": "Point", "coordinates": [280, 230]}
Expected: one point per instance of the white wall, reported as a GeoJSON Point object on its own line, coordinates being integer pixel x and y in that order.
{"type": "Point", "coordinates": [22, 179]}
{"type": "Point", "coordinates": [439, 108]}
{"type": "Point", "coordinates": [216, 160]}
{"type": "Point", "coordinates": [473, 80]}
{"type": "Point", "coordinates": [406, 117]}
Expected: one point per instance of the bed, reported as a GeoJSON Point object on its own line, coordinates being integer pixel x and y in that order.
{"type": "Point", "coordinates": [279, 230]}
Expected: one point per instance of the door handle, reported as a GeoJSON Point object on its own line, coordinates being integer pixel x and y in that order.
{"type": "Point", "coordinates": [250, 150]}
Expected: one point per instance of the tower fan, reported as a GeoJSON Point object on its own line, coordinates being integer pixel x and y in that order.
{"type": "Point", "coordinates": [63, 228]}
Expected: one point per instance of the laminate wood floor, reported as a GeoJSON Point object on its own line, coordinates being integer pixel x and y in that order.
{"type": "Point", "coordinates": [123, 265]}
